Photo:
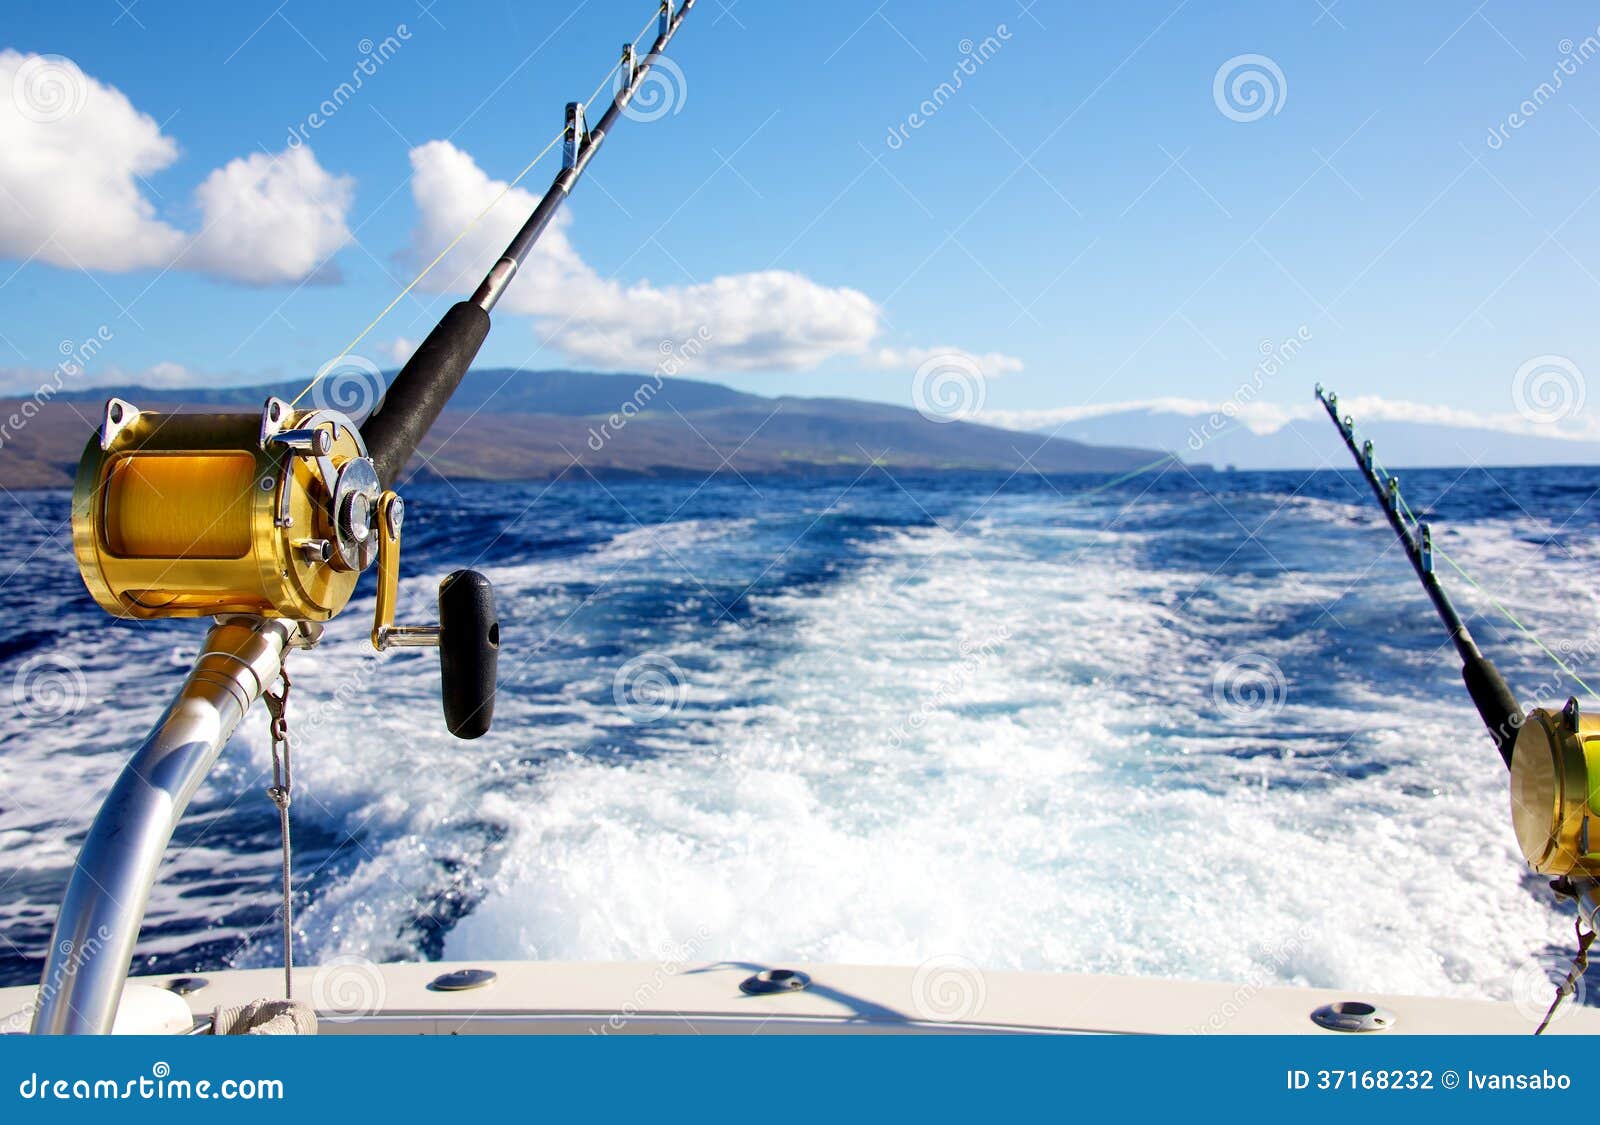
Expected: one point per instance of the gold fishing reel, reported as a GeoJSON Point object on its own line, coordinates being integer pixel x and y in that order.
{"type": "Point", "coordinates": [195, 515]}
{"type": "Point", "coordinates": [275, 515]}
{"type": "Point", "coordinates": [1555, 791]}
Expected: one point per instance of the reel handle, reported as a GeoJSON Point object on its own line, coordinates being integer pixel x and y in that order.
{"type": "Point", "coordinates": [469, 652]}
{"type": "Point", "coordinates": [467, 636]}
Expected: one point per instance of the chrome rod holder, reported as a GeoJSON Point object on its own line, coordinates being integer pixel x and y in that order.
{"type": "Point", "coordinates": [104, 905]}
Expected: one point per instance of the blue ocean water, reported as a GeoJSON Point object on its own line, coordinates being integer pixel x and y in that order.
{"type": "Point", "coordinates": [1197, 725]}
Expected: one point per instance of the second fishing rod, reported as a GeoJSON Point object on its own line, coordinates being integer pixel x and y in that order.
{"type": "Point", "coordinates": [1496, 704]}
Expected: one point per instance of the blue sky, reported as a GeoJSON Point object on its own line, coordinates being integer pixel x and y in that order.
{"type": "Point", "coordinates": [1083, 219]}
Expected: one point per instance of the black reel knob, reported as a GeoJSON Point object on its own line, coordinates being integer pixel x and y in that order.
{"type": "Point", "coordinates": [469, 652]}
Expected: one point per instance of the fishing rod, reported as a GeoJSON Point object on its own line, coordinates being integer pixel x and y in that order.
{"type": "Point", "coordinates": [1497, 705]}
{"type": "Point", "coordinates": [1553, 755]}
{"type": "Point", "coordinates": [423, 387]}
{"type": "Point", "coordinates": [264, 522]}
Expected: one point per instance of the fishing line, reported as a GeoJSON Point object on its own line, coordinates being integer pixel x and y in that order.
{"type": "Point", "coordinates": [1167, 460]}
{"type": "Point", "coordinates": [1476, 585]}
{"type": "Point", "coordinates": [1511, 617]}
{"type": "Point", "coordinates": [427, 269]}
{"type": "Point", "coordinates": [466, 230]}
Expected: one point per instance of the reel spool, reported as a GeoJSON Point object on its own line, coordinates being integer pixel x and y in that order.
{"type": "Point", "coordinates": [272, 515]}
{"type": "Point", "coordinates": [194, 515]}
{"type": "Point", "coordinates": [1555, 791]}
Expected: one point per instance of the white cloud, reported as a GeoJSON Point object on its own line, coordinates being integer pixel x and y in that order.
{"type": "Point", "coordinates": [163, 374]}
{"type": "Point", "coordinates": [70, 183]}
{"type": "Point", "coordinates": [773, 320]}
{"type": "Point", "coordinates": [400, 349]}
{"type": "Point", "coordinates": [270, 219]}
{"type": "Point", "coordinates": [990, 364]}
{"type": "Point", "coordinates": [23, 381]}
{"type": "Point", "coordinates": [73, 153]}
{"type": "Point", "coordinates": [1270, 417]}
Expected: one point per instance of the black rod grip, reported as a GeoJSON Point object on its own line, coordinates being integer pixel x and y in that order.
{"type": "Point", "coordinates": [1496, 704]}
{"type": "Point", "coordinates": [419, 393]}
{"type": "Point", "coordinates": [469, 652]}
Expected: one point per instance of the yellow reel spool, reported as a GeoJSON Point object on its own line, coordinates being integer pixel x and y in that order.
{"type": "Point", "coordinates": [1555, 791]}
{"type": "Point", "coordinates": [194, 515]}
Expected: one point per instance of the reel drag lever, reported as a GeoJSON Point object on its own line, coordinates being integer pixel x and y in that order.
{"type": "Point", "coordinates": [467, 636]}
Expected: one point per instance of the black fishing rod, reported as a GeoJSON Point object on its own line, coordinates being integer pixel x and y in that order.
{"type": "Point", "coordinates": [424, 385]}
{"type": "Point", "coordinates": [1553, 755]}
{"type": "Point", "coordinates": [1496, 704]}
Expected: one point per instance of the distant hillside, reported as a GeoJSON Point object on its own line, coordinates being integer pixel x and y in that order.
{"type": "Point", "coordinates": [1313, 443]}
{"type": "Point", "coordinates": [529, 425]}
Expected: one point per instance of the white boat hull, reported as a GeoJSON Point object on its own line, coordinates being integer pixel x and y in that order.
{"type": "Point", "coordinates": [541, 997]}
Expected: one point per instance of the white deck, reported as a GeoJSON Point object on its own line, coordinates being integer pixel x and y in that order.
{"type": "Point", "coordinates": [651, 998]}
